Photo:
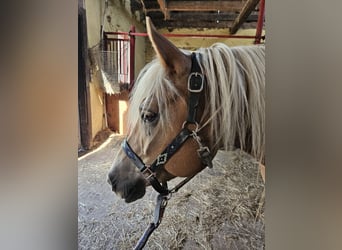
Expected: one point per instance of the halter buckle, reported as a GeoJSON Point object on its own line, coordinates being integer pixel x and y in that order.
{"type": "Point", "coordinates": [195, 82]}
{"type": "Point", "coordinates": [186, 123]}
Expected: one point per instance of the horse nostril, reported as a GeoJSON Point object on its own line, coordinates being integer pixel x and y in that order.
{"type": "Point", "coordinates": [111, 180]}
{"type": "Point", "coordinates": [134, 190]}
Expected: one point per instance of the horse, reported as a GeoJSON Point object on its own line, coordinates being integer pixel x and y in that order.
{"type": "Point", "coordinates": [184, 107]}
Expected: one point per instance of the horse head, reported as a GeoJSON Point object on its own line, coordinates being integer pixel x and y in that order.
{"type": "Point", "coordinates": [158, 112]}
{"type": "Point", "coordinates": [184, 107]}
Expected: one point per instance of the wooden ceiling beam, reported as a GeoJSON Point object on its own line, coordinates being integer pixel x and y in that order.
{"type": "Point", "coordinates": [204, 5]}
{"type": "Point", "coordinates": [196, 24]}
{"type": "Point", "coordinates": [242, 17]}
{"type": "Point", "coordinates": [192, 24]}
{"type": "Point", "coordinates": [223, 16]}
{"type": "Point", "coordinates": [164, 9]}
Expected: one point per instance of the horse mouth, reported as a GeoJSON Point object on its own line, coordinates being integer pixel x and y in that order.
{"type": "Point", "coordinates": [133, 195]}
{"type": "Point", "coordinates": [129, 191]}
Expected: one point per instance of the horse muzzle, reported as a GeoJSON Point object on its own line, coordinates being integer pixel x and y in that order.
{"type": "Point", "coordinates": [129, 185]}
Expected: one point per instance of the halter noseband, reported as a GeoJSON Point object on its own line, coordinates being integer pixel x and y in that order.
{"type": "Point", "coordinates": [196, 83]}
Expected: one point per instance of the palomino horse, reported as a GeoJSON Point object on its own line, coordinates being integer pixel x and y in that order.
{"type": "Point", "coordinates": [184, 108]}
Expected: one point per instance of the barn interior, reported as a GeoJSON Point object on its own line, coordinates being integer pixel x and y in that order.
{"type": "Point", "coordinates": [113, 48]}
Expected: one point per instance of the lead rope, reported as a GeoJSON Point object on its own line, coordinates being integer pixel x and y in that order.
{"type": "Point", "coordinates": [162, 200]}
{"type": "Point", "coordinates": [158, 215]}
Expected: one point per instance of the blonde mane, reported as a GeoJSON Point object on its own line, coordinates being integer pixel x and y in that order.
{"type": "Point", "coordinates": [235, 95]}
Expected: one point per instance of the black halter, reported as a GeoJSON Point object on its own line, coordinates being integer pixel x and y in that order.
{"type": "Point", "coordinates": [196, 83]}
{"type": "Point", "coordinates": [195, 87]}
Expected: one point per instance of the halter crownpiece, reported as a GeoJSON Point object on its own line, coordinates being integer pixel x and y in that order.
{"type": "Point", "coordinates": [195, 87]}
{"type": "Point", "coordinates": [196, 82]}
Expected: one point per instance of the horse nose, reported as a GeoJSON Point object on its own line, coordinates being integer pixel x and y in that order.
{"type": "Point", "coordinates": [111, 180]}
{"type": "Point", "coordinates": [129, 186]}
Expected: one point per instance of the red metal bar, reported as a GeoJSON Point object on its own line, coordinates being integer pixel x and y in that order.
{"type": "Point", "coordinates": [184, 35]}
{"type": "Point", "coordinates": [132, 56]}
{"type": "Point", "coordinates": [260, 21]}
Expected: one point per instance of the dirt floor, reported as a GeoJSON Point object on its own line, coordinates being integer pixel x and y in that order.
{"type": "Point", "coordinates": [221, 208]}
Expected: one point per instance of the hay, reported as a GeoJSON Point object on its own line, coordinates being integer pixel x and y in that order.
{"type": "Point", "coordinates": [221, 208]}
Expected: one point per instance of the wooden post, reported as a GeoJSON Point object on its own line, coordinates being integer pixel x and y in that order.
{"type": "Point", "coordinates": [83, 82]}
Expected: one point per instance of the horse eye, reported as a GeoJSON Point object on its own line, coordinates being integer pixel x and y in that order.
{"type": "Point", "coordinates": [149, 117]}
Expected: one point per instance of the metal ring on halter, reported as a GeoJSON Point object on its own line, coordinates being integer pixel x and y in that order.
{"type": "Point", "coordinates": [148, 171]}
{"type": "Point", "coordinates": [186, 122]}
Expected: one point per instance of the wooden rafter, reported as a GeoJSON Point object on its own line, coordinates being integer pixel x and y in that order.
{"type": "Point", "coordinates": [194, 24]}
{"type": "Point", "coordinates": [164, 9]}
{"type": "Point", "coordinates": [241, 18]}
{"type": "Point", "coordinates": [223, 16]}
{"type": "Point", "coordinates": [204, 5]}
{"type": "Point", "coordinates": [167, 6]}
{"type": "Point", "coordinates": [202, 13]}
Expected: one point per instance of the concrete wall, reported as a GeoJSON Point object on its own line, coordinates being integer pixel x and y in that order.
{"type": "Point", "coordinates": [94, 13]}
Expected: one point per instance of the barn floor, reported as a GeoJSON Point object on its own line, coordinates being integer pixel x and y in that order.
{"type": "Point", "coordinates": [221, 208]}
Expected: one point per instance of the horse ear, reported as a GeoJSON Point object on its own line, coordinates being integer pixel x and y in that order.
{"type": "Point", "coordinates": [172, 58]}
